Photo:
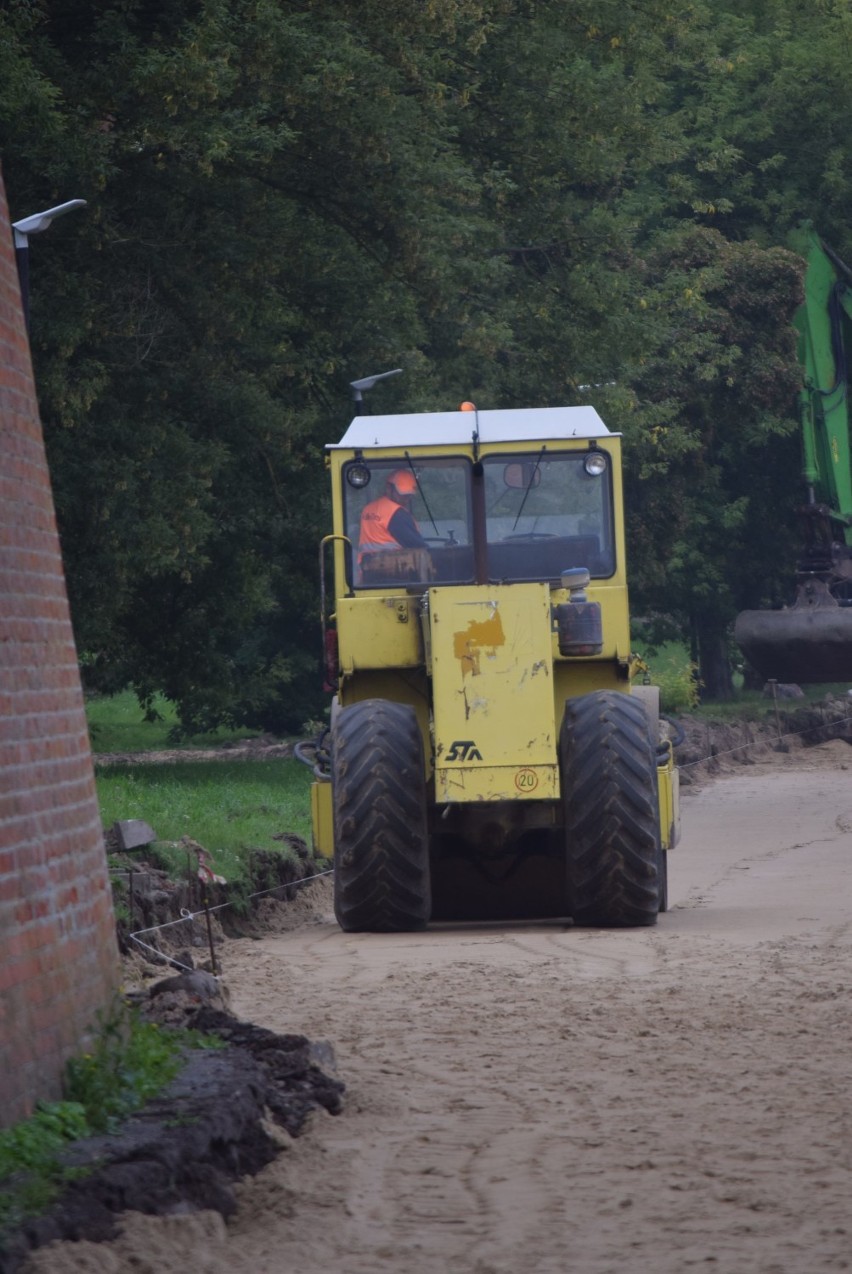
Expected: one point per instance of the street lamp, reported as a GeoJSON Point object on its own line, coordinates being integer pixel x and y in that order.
{"type": "Point", "coordinates": [35, 224]}
{"type": "Point", "coordinates": [358, 387]}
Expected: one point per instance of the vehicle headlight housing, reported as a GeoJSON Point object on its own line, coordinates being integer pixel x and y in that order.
{"type": "Point", "coordinates": [595, 463]}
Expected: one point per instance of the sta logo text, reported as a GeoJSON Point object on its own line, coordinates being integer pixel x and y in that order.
{"type": "Point", "coordinates": [464, 750]}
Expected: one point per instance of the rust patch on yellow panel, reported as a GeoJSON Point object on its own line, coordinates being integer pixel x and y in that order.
{"type": "Point", "coordinates": [486, 634]}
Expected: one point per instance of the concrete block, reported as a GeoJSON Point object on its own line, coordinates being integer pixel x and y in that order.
{"type": "Point", "coordinates": [130, 833]}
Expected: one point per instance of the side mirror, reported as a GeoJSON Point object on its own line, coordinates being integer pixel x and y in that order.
{"type": "Point", "coordinates": [522, 475]}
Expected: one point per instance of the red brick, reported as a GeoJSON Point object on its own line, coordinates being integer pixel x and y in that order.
{"type": "Point", "coordinates": [55, 912]}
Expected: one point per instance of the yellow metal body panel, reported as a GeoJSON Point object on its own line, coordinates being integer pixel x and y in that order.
{"type": "Point", "coordinates": [322, 819]}
{"type": "Point", "coordinates": [379, 632]}
{"type": "Point", "coordinates": [668, 781]}
{"type": "Point", "coordinates": [494, 726]}
{"type": "Point", "coordinates": [480, 783]}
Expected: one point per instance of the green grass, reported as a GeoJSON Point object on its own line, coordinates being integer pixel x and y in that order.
{"type": "Point", "coordinates": [753, 705]}
{"type": "Point", "coordinates": [229, 807]}
{"type": "Point", "coordinates": [671, 671]}
{"type": "Point", "coordinates": [117, 724]}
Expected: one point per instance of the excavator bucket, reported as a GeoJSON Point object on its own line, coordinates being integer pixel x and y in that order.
{"type": "Point", "coordinates": [805, 645]}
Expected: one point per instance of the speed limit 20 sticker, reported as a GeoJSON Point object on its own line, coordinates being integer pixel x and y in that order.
{"type": "Point", "coordinates": [526, 780]}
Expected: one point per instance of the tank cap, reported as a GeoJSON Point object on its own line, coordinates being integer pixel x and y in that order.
{"type": "Point", "coordinates": [575, 578]}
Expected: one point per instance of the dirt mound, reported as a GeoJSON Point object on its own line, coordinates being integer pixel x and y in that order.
{"type": "Point", "coordinates": [168, 916]}
{"type": "Point", "coordinates": [221, 1119]}
{"type": "Point", "coordinates": [713, 747]}
{"type": "Point", "coordinates": [227, 1114]}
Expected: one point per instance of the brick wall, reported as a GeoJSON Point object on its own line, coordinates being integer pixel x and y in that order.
{"type": "Point", "coordinates": [58, 955]}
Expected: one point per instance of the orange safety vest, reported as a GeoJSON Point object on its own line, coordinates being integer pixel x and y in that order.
{"type": "Point", "coordinates": [374, 531]}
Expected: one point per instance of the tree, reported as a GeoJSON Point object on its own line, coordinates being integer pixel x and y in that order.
{"type": "Point", "coordinates": [765, 110]}
{"type": "Point", "coordinates": [276, 204]}
{"type": "Point", "coordinates": [567, 132]}
{"type": "Point", "coordinates": [503, 196]}
{"type": "Point", "coordinates": [713, 455]}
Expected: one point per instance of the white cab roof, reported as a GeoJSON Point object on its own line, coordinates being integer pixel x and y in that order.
{"type": "Point", "coordinates": [448, 428]}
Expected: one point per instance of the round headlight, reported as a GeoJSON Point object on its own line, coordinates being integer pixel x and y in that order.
{"type": "Point", "coordinates": [595, 463]}
{"type": "Point", "coordinates": [358, 475]}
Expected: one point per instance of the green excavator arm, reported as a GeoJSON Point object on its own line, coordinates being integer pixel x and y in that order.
{"type": "Point", "coordinates": [824, 323]}
{"type": "Point", "coordinates": [811, 640]}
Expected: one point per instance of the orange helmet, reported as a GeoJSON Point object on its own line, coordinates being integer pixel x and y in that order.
{"type": "Point", "coordinates": [404, 481]}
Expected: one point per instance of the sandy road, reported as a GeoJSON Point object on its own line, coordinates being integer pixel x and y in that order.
{"type": "Point", "coordinates": [536, 1098]}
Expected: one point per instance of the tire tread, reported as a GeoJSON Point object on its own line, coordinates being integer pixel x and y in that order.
{"type": "Point", "coordinates": [381, 867]}
{"type": "Point", "coordinates": [609, 783]}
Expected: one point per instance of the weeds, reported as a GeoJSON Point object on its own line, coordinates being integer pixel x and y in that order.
{"type": "Point", "coordinates": [30, 1173]}
{"type": "Point", "coordinates": [129, 1063]}
{"type": "Point", "coordinates": [680, 687]}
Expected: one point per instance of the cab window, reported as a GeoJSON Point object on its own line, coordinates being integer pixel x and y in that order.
{"type": "Point", "coordinates": [548, 512]}
{"type": "Point", "coordinates": [436, 502]}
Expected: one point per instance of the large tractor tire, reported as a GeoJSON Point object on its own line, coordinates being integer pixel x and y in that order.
{"type": "Point", "coordinates": [381, 843]}
{"type": "Point", "coordinates": [609, 792]}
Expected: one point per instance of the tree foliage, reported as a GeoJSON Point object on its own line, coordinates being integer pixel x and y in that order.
{"type": "Point", "coordinates": [275, 199]}
{"type": "Point", "coordinates": [519, 201]}
{"type": "Point", "coordinates": [715, 444]}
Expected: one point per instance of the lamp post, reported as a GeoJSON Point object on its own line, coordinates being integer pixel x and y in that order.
{"type": "Point", "coordinates": [358, 387]}
{"type": "Point", "coordinates": [35, 224]}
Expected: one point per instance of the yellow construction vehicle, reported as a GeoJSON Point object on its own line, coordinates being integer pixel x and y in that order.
{"type": "Point", "coordinates": [489, 755]}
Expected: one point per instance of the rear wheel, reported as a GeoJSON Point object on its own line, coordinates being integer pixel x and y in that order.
{"type": "Point", "coordinates": [609, 791]}
{"type": "Point", "coordinates": [381, 846]}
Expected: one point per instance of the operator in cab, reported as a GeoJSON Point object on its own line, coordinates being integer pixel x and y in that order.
{"type": "Point", "coordinates": [388, 523]}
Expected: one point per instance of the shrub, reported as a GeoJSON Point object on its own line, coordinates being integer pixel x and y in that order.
{"type": "Point", "coordinates": [680, 686]}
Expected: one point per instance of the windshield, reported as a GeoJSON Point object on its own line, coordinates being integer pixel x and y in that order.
{"type": "Point", "coordinates": [547, 513]}
{"type": "Point", "coordinates": [410, 523]}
